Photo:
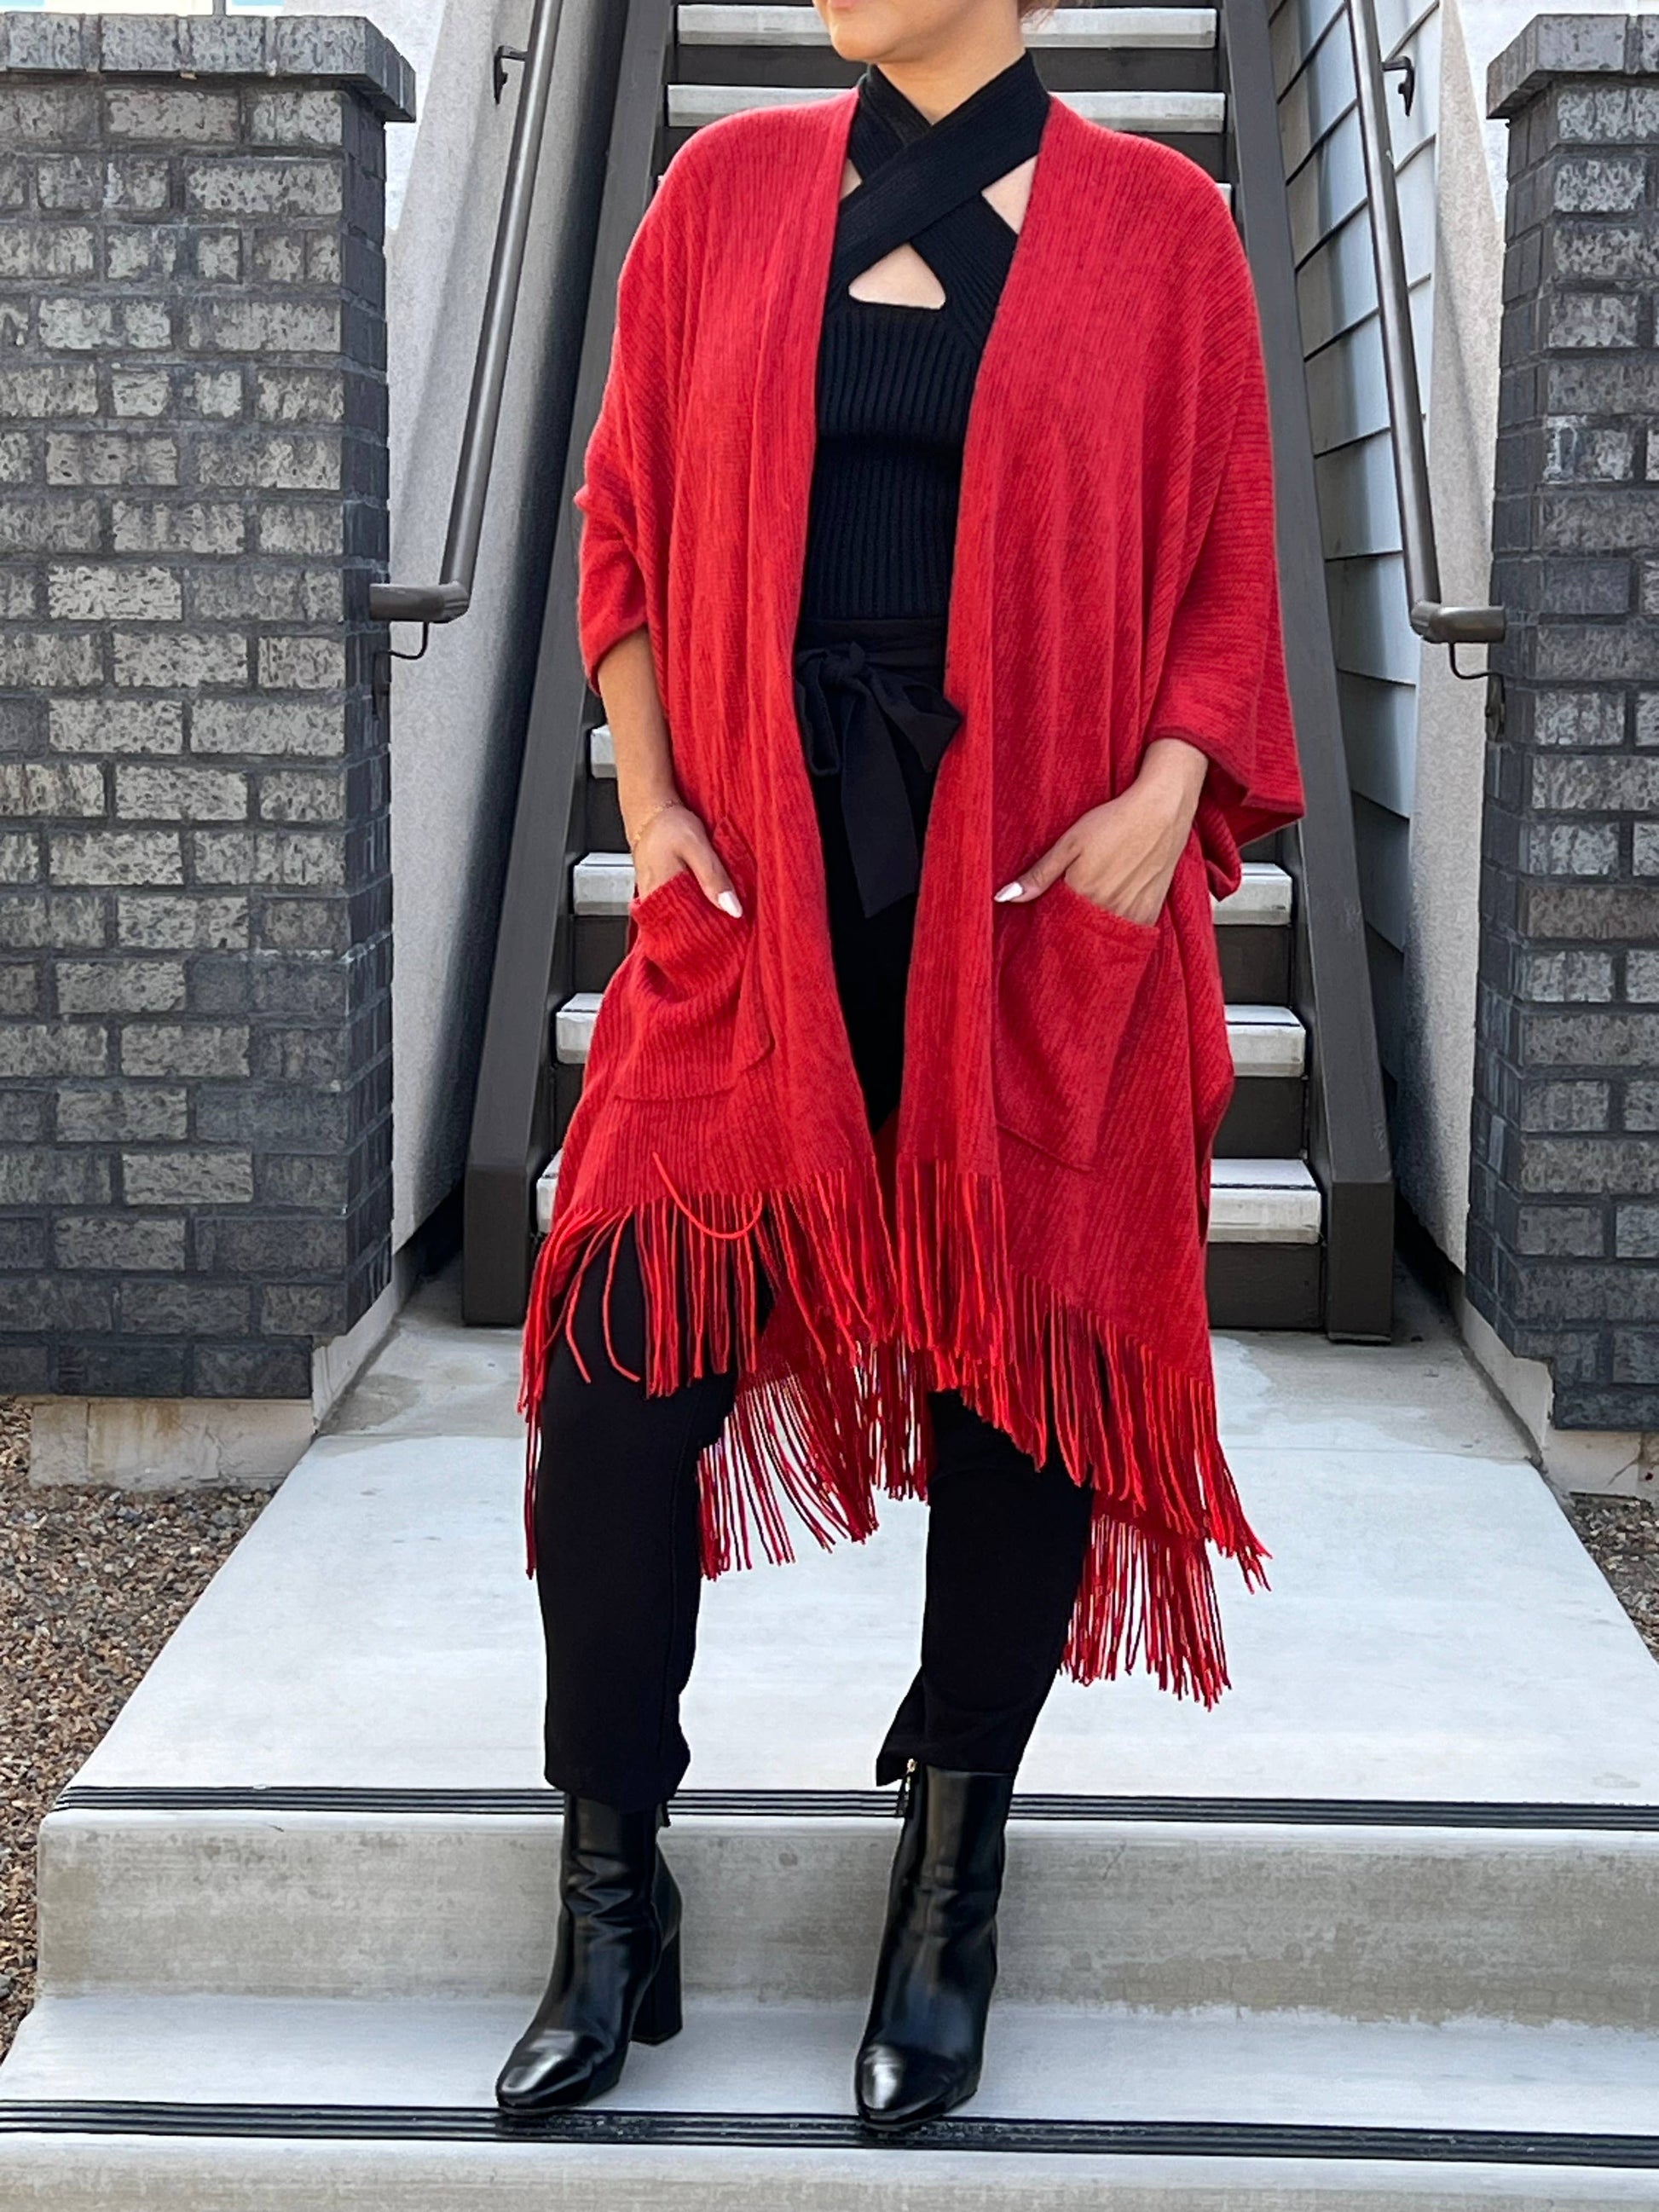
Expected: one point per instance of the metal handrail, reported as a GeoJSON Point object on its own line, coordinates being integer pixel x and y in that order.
{"type": "Point", "coordinates": [447, 601]}
{"type": "Point", "coordinates": [1431, 620]}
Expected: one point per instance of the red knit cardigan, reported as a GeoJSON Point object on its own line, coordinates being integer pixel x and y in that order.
{"type": "Point", "coordinates": [1030, 1230]}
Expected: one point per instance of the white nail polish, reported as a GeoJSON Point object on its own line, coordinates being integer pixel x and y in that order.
{"type": "Point", "coordinates": [1009, 892]}
{"type": "Point", "coordinates": [729, 901]}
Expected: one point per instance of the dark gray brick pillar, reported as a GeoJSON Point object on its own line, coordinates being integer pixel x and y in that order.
{"type": "Point", "coordinates": [1564, 1234]}
{"type": "Point", "coordinates": [195, 891]}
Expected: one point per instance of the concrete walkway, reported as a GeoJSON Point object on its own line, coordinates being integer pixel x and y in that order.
{"type": "Point", "coordinates": [1434, 1628]}
{"type": "Point", "coordinates": [1383, 1931]}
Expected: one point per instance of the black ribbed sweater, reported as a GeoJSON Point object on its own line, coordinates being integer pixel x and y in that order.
{"type": "Point", "coordinates": [895, 382]}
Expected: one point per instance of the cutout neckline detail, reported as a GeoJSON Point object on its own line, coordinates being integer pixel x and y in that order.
{"type": "Point", "coordinates": [923, 185]}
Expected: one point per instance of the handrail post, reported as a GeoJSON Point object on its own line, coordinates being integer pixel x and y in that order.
{"type": "Point", "coordinates": [448, 601]}
{"type": "Point", "coordinates": [1437, 623]}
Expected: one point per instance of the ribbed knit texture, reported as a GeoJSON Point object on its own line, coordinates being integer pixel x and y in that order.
{"type": "Point", "coordinates": [1032, 1233]}
{"type": "Point", "coordinates": [896, 382]}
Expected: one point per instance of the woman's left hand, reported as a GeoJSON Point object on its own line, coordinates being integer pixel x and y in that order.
{"type": "Point", "coordinates": [1121, 854]}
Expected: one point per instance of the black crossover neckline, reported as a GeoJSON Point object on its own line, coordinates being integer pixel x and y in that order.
{"type": "Point", "coordinates": [923, 184]}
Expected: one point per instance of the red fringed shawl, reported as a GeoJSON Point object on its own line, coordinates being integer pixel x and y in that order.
{"type": "Point", "coordinates": [1032, 1233]}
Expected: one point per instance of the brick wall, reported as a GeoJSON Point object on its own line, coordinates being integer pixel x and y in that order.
{"type": "Point", "coordinates": [194, 910]}
{"type": "Point", "coordinates": [1564, 1242]}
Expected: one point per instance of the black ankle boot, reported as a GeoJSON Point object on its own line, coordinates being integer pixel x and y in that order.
{"type": "Point", "coordinates": [925, 2034]}
{"type": "Point", "coordinates": [616, 1967]}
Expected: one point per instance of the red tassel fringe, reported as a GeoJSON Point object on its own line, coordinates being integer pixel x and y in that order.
{"type": "Point", "coordinates": [832, 1407]}
{"type": "Point", "coordinates": [825, 1250]}
{"type": "Point", "coordinates": [1140, 1432]}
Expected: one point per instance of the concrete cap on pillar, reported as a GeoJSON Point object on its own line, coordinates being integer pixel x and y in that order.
{"type": "Point", "coordinates": [1554, 46]}
{"type": "Point", "coordinates": [352, 51]}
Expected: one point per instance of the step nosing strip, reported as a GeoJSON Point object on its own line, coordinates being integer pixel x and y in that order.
{"type": "Point", "coordinates": [798, 2131]}
{"type": "Point", "coordinates": [879, 1804]}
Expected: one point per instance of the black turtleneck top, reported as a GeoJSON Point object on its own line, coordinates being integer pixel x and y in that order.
{"type": "Point", "coordinates": [894, 382]}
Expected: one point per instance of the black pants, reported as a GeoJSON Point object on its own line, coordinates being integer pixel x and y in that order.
{"type": "Point", "coordinates": [618, 1570]}
{"type": "Point", "coordinates": [616, 1520]}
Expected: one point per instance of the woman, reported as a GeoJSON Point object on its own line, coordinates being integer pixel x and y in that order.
{"type": "Point", "coordinates": [929, 509]}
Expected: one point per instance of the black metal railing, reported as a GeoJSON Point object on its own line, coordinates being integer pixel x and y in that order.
{"type": "Point", "coordinates": [514, 1106]}
{"type": "Point", "coordinates": [448, 600]}
{"type": "Point", "coordinates": [1431, 617]}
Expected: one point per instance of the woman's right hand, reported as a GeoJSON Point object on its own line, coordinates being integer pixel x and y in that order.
{"type": "Point", "coordinates": [675, 838]}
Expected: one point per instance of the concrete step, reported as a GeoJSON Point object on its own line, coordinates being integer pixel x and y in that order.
{"type": "Point", "coordinates": [1262, 900]}
{"type": "Point", "coordinates": [1266, 1041]}
{"type": "Point", "coordinates": [1530, 1925]}
{"type": "Point", "coordinates": [573, 1028]}
{"type": "Point", "coordinates": [602, 884]}
{"type": "Point", "coordinates": [1433, 1796]}
{"type": "Point", "coordinates": [1166, 114]}
{"type": "Point", "coordinates": [1251, 1201]}
{"type": "Point", "coordinates": [203, 2104]}
{"type": "Point", "coordinates": [1383, 1926]}
{"type": "Point", "coordinates": [1076, 29]}
{"type": "Point", "coordinates": [1264, 1202]}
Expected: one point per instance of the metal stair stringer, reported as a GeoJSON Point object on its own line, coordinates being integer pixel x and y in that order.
{"type": "Point", "coordinates": [511, 1133]}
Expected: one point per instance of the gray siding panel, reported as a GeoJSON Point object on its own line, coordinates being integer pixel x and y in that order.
{"type": "Point", "coordinates": [1381, 837]}
{"type": "Point", "coordinates": [1378, 655]}
{"type": "Point", "coordinates": [1379, 729]}
{"type": "Point", "coordinates": [1359, 510]}
{"type": "Point", "coordinates": [1369, 616]}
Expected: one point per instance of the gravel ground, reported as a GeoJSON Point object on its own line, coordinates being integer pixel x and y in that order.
{"type": "Point", "coordinates": [1622, 1534]}
{"type": "Point", "coordinates": [92, 1585]}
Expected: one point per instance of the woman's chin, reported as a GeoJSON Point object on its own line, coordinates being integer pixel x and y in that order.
{"type": "Point", "coordinates": [861, 30]}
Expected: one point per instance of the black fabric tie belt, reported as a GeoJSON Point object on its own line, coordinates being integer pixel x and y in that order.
{"type": "Point", "coordinates": [861, 689]}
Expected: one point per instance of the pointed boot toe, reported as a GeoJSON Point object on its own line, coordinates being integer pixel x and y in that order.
{"type": "Point", "coordinates": [553, 2068]}
{"type": "Point", "coordinates": [898, 2089]}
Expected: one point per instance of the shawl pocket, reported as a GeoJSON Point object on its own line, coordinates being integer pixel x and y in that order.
{"type": "Point", "coordinates": [692, 985]}
{"type": "Point", "coordinates": [1070, 974]}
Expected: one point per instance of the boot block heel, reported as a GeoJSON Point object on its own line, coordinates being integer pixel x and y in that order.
{"type": "Point", "coordinates": [659, 2016]}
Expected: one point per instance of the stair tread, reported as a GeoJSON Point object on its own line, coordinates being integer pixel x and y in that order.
{"type": "Point", "coordinates": [1198, 113]}
{"type": "Point", "coordinates": [724, 24]}
{"type": "Point", "coordinates": [1263, 896]}
{"type": "Point", "coordinates": [602, 884]}
{"type": "Point", "coordinates": [1266, 1041]}
{"type": "Point", "coordinates": [1291, 1175]}
{"type": "Point", "coordinates": [1251, 1201]}
{"type": "Point", "coordinates": [1043, 2063]}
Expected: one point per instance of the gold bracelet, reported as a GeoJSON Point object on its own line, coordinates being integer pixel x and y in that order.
{"type": "Point", "coordinates": [662, 808]}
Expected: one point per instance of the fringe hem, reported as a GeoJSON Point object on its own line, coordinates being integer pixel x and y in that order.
{"type": "Point", "coordinates": [824, 1251]}
{"type": "Point", "coordinates": [831, 1412]}
{"type": "Point", "coordinates": [825, 1439]}
{"type": "Point", "coordinates": [1139, 1432]}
